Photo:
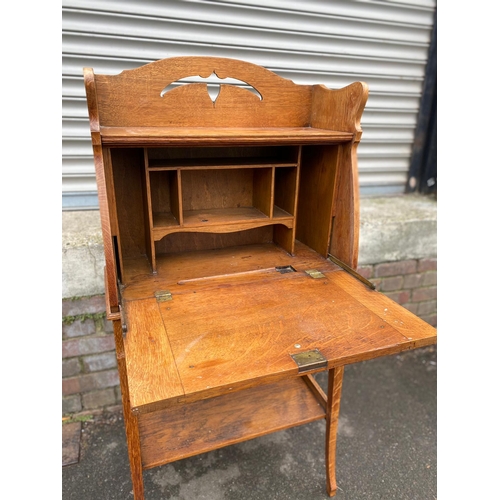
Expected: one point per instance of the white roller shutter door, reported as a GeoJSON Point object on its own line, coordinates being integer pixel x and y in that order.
{"type": "Point", "coordinates": [334, 43]}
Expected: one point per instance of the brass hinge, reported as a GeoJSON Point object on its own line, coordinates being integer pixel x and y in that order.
{"type": "Point", "coordinates": [121, 309]}
{"type": "Point", "coordinates": [163, 295]}
{"type": "Point", "coordinates": [309, 360]}
{"type": "Point", "coordinates": [313, 273]}
{"type": "Point", "coordinates": [123, 319]}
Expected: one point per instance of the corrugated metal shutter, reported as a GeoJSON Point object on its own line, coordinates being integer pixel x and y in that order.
{"type": "Point", "coordinates": [383, 43]}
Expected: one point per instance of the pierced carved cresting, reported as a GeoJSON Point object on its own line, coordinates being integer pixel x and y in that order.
{"type": "Point", "coordinates": [224, 92]}
{"type": "Point", "coordinates": [213, 85]}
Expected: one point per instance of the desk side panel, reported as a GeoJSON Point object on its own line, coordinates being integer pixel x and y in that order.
{"type": "Point", "coordinates": [342, 110]}
{"type": "Point", "coordinates": [105, 195]}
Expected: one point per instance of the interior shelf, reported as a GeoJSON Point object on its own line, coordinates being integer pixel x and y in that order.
{"type": "Point", "coordinates": [185, 430]}
{"type": "Point", "coordinates": [218, 216]}
{"type": "Point", "coordinates": [218, 220]}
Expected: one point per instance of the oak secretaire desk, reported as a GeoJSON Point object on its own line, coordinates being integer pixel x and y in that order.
{"type": "Point", "coordinates": [230, 227]}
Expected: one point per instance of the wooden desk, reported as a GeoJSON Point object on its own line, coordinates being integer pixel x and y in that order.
{"type": "Point", "coordinates": [230, 231]}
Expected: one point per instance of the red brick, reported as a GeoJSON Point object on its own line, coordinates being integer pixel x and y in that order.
{"type": "Point", "coordinates": [90, 382]}
{"type": "Point", "coordinates": [432, 319]}
{"type": "Point", "coordinates": [429, 278]}
{"type": "Point", "coordinates": [401, 297]}
{"type": "Point", "coordinates": [413, 308]}
{"type": "Point", "coordinates": [107, 325]}
{"type": "Point", "coordinates": [412, 281]}
{"type": "Point", "coordinates": [83, 305]}
{"type": "Point", "coordinates": [70, 386]}
{"type": "Point", "coordinates": [70, 348]}
{"type": "Point", "coordinates": [99, 380]}
{"type": "Point", "coordinates": [427, 308]}
{"type": "Point", "coordinates": [98, 399]}
{"type": "Point", "coordinates": [87, 345]}
{"type": "Point", "coordinates": [391, 284]}
{"type": "Point", "coordinates": [70, 367]}
{"type": "Point", "coordinates": [78, 328]}
{"type": "Point", "coordinates": [422, 294]}
{"type": "Point", "coordinates": [71, 404]}
{"type": "Point", "coordinates": [395, 268]}
{"type": "Point", "coordinates": [99, 362]}
{"type": "Point", "coordinates": [366, 271]}
{"type": "Point", "coordinates": [427, 265]}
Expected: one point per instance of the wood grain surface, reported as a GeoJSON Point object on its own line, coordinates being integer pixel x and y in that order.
{"type": "Point", "coordinates": [335, 379]}
{"type": "Point", "coordinates": [219, 135]}
{"type": "Point", "coordinates": [151, 369]}
{"type": "Point", "coordinates": [233, 327]}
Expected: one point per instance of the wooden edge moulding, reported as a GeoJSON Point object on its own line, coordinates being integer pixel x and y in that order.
{"type": "Point", "coordinates": [230, 221]}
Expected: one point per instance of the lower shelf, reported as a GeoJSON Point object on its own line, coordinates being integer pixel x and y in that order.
{"type": "Point", "coordinates": [186, 430]}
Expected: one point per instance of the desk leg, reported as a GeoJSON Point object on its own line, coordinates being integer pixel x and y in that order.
{"type": "Point", "coordinates": [131, 423]}
{"type": "Point", "coordinates": [335, 376]}
{"type": "Point", "coordinates": [134, 456]}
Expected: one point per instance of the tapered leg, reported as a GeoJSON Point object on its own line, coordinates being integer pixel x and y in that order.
{"type": "Point", "coordinates": [335, 376]}
{"type": "Point", "coordinates": [131, 424]}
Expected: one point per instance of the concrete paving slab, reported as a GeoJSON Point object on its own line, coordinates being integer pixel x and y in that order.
{"type": "Point", "coordinates": [71, 443]}
{"type": "Point", "coordinates": [386, 448]}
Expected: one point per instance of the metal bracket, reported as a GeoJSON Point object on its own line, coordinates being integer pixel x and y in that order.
{"type": "Point", "coordinates": [121, 309]}
{"type": "Point", "coordinates": [163, 295]}
{"type": "Point", "coordinates": [351, 271]}
{"type": "Point", "coordinates": [123, 319]}
{"type": "Point", "coordinates": [309, 360]}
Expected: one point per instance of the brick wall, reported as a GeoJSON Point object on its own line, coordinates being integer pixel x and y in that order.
{"type": "Point", "coordinates": [90, 382]}
{"type": "Point", "coordinates": [411, 283]}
